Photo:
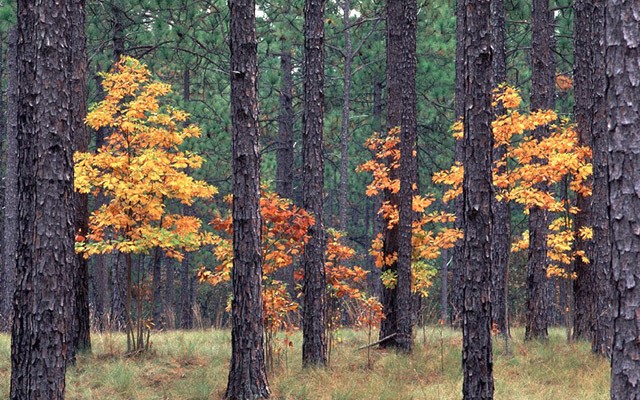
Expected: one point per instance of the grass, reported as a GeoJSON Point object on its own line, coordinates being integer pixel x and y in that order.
{"type": "Point", "coordinates": [193, 365]}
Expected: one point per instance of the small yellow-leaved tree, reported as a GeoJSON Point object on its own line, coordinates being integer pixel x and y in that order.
{"type": "Point", "coordinates": [139, 169]}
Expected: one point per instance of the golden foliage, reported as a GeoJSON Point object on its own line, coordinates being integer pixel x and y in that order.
{"type": "Point", "coordinates": [139, 169]}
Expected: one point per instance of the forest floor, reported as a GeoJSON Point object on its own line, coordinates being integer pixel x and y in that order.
{"type": "Point", "coordinates": [193, 365]}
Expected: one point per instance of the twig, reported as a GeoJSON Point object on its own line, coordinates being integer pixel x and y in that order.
{"type": "Point", "coordinates": [384, 339]}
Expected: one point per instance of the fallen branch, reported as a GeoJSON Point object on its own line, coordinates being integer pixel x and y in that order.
{"type": "Point", "coordinates": [384, 339]}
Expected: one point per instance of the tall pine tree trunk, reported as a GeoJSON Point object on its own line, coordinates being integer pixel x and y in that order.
{"type": "Point", "coordinates": [457, 268]}
{"type": "Point", "coordinates": [314, 344]}
{"type": "Point", "coordinates": [389, 298]}
{"type": "Point", "coordinates": [11, 185]}
{"type": "Point", "coordinates": [501, 240]}
{"type": "Point", "coordinates": [82, 324]}
{"type": "Point", "coordinates": [408, 173]}
{"type": "Point", "coordinates": [592, 287]}
{"type": "Point", "coordinates": [542, 98]}
{"type": "Point", "coordinates": [46, 256]}
{"type": "Point", "coordinates": [247, 373]}
{"type": "Point", "coordinates": [623, 105]}
{"type": "Point", "coordinates": [601, 249]}
{"type": "Point", "coordinates": [477, 360]}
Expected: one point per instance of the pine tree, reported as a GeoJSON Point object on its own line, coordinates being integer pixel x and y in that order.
{"type": "Point", "coordinates": [247, 374]}
{"type": "Point", "coordinates": [46, 253]}
{"type": "Point", "coordinates": [477, 360]}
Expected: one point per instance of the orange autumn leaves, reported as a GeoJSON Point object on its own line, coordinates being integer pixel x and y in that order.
{"type": "Point", "coordinates": [528, 162]}
{"type": "Point", "coordinates": [430, 231]}
{"type": "Point", "coordinates": [140, 169]}
{"type": "Point", "coordinates": [284, 235]}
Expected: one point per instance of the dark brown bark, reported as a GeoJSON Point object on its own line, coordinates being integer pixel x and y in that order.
{"type": "Point", "coordinates": [542, 98]}
{"type": "Point", "coordinates": [117, 39]}
{"type": "Point", "coordinates": [81, 331]}
{"type": "Point", "coordinates": [389, 325]}
{"type": "Point", "coordinates": [11, 185]}
{"type": "Point", "coordinates": [457, 267]}
{"type": "Point", "coordinates": [408, 173]}
{"type": "Point", "coordinates": [601, 250]}
{"type": "Point", "coordinates": [5, 303]}
{"type": "Point", "coordinates": [584, 302]}
{"type": "Point", "coordinates": [346, 108]}
{"type": "Point", "coordinates": [622, 23]}
{"type": "Point", "coordinates": [592, 288]}
{"type": "Point", "coordinates": [501, 240]}
{"type": "Point", "coordinates": [314, 344]}
{"type": "Point", "coordinates": [247, 373]}
{"type": "Point", "coordinates": [45, 250]}
{"type": "Point", "coordinates": [477, 360]}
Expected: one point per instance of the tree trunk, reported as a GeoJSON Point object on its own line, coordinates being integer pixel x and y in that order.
{"type": "Point", "coordinates": [501, 241]}
{"type": "Point", "coordinates": [584, 307]}
{"type": "Point", "coordinates": [82, 321]}
{"type": "Point", "coordinates": [346, 105]}
{"type": "Point", "coordinates": [408, 173]}
{"type": "Point", "coordinates": [542, 98]}
{"type": "Point", "coordinates": [5, 303]}
{"type": "Point", "coordinates": [623, 105]}
{"type": "Point", "coordinates": [314, 344]}
{"type": "Point", "coordinates": [389, 325]}
{"type": "Point", "coordinates": [477, 360]}
{"type": "Point", "coordinates": [157, 304]}
{"type": "Point", "coordinates": [186, 303]}
{"type": "Point", "coordinates": [11, 186]}
{"type": "Point", "coordinates": [247, 373]}
{"type": "Point", "coordinates": [457, 268]}
{"type": "Point", "coordinates": [169, 295]}
{"type": "Point", "coordinates": [284, 154]}
{"type": "Point", "coordinates": [601, 250]}
{"type": "Point", "coordinates": [119, 278]}
{"type": "Point", "coordinates": [44, 295]}
{"type": "Point", "coordinates": [592, 287]}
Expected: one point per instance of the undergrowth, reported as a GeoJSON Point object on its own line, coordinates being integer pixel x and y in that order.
{"type": "Point", "coordinates": [193, 365]}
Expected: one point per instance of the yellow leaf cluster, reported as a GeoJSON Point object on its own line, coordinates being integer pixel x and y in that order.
{"type": "Point", "coordinates": [139, 169]}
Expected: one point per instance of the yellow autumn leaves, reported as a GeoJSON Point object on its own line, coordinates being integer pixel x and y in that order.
{"type": "Point", "coordinates": [139, 169]}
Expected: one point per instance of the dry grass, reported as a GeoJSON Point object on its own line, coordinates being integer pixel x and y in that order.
{"type": "Point", "coordinates": [193, 365]}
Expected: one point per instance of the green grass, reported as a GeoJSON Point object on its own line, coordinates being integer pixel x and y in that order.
{"type": "Point", "coordinates": [193, 365]}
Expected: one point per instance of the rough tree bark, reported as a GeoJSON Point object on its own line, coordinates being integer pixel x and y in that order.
{"type": "Point", "coordinates": [44, 293]}
{"type": "Point", "coordinates": [601, 250]}
{"type": "Point", "coordinates": [501, 241]}
{"type": "Point", "coordinates": [81, 331]}
{"type": "Point", "coordinates": [457, 268]}
{"type": "Point", "coordinates": [477, 360]}
{"type": "Point", "coordinates": [247, 373]}
{"type": "Point", "coordinates": [623, 106]}
{"type": "Point", "coordinates": [592, 287]}
{"type": "Point", "coordinates": [11, 185]}
{"type": "Point", "coordinates": [186, 302]}
{"type": "Point", "coordinates": [542, 98]}
{"type": "Point", "coordinates": [314, 344]}
{"type": "Point", "coordinates": [389, 325]}
{"type": "Point", "coordinates": [408, 173]}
